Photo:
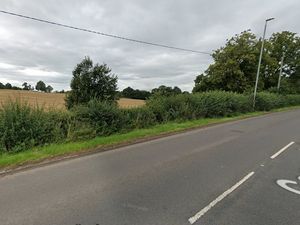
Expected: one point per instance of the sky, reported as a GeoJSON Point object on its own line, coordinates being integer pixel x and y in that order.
{"type": "Point", "coordinates": [31, 51]}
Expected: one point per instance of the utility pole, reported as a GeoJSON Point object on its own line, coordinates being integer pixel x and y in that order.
{"type": "Point", "coordinates": [259, 61]}
{"type": "Point", "coordinates": [280, 72]}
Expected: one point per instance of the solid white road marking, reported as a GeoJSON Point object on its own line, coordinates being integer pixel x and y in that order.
{"type": "Point", "coordinates": [281, 150]}
{"type": "Point", "coordinates": [198, 215]}
{"type": "Point", "coordinates": [284, 184]}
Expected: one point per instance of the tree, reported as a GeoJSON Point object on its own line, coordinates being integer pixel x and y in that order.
{"type": "Point", "coordinates": [91, 82]}
{"type": "Point", "coordinates": [40, 86]}
{"type": "Point", "coordinates": [16, 88]}
{"type": "Point", "coordinates": [235, 64]}
{"type": "Point", "coordinates": [128, 92]}
{"type": "Point", "coordinates": [8, 86]}
{"type": "Point", "coordinates": [2, 86]}
{"type": "Point", "coordinates": [27, 86]}
{"type": "Point", "coordinates": [176, 90]}
{"type": "Point", "coordinates": [49, 89]}
{"type": "Point", "coordinates": [135, 93]}
{"type": "Point", "coordinates": [166, 91]}
{"type": "Point", "coordinates": [287, 43]}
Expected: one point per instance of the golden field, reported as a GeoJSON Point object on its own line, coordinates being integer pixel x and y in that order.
{"type": "Point", "coordinates": [53, 100]}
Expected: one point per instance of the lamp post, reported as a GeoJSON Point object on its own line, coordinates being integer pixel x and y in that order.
{"type": "Point", "coordinates": [280, 72]}
{"type": "Point", "coordinates": [259, 61]}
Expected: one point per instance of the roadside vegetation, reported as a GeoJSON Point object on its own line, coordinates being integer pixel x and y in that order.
{"type": "Point", "coordinates": [27, 128]}
{"type": "Point", "coordinates": [93, 117]}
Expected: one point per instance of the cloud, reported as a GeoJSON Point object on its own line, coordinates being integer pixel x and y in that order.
{"type": "Point", "coordinates": [7, 66]}
{"type": "Point", "coordinates": [30, 51]}
{"type": "Point", "coordinates": [38, 72]}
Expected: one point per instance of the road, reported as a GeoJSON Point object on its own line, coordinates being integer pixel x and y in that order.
{"type": "Point", "coordinates": [220, 175]}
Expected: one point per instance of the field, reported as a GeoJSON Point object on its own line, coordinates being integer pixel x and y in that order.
{"type": "Point", "coordinates": [54, 100]}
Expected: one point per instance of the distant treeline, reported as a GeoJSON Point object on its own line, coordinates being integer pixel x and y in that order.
{"type": "Point", "coordinates": [9, 86]}
{"type": "Point", "coordinates": [40, 86]}
{"type": "Point", "coordinates": [142, 94]}
{"type": "Point", "coordinates": [126, 93]}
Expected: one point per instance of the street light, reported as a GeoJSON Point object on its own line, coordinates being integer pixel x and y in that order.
{"type": "Point", "coordinates": [280, 72]}
{"type": "Point", "coordinates": [259, 61]}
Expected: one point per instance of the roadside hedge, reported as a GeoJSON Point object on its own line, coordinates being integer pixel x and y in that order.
{"type": "Point", "coordinates": [23, 126]}
{"type": "Point", "coordinates": [201, 105]}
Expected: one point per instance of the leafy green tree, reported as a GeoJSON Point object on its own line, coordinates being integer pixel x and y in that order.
{"type": "Point", "coordinates": [287, 43]}
{"type": "Point", "coordinates": [27, 86]}
{"type": "Point", "coordinates": [91, 82]}
{"type": "Point", "coordinates": [234, 66]}
{"type": "Point", "coordinates": [49, 89]}
{"type": "Point", "coordinates": [135, 93]}
{"type": "Point", "coordinates": [16, 88]}
{"type": "Point", "coordinates": [166, 91]}
{"type": "Point", "coordinates": [128, 92]}
{"type": "Point", "coordinates": [40, 86]}
{"type": "Point", "coordinates": [8, 86]}
{"type": "Point", "coordinates": [176, 90]}
{"type": "Point", "coordinates": [2, 86]}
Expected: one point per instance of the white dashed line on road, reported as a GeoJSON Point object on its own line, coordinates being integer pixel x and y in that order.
{"type": "Point", "coordinates": [198, 215]}
{"type": "Point", "coordinates": [282, 150]}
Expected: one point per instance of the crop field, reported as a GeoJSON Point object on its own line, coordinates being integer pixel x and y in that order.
{"type": "Point", "coordinates": [53, 100]}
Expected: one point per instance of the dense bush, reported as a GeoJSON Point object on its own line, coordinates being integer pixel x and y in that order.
{"type": "Point", "coordinates": [266, 101]}
{"type": "Point", "coordinates": [105, 117]}
{"type": "Point", "coordinates": [207, 104]}
{"type": "Point", "coordinates": [23, 126]}
{"type": "Point", "coordinates": [141, 117]}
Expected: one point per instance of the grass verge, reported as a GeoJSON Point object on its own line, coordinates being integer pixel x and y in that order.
{"type": "Point", "coordinates": [56, 150]}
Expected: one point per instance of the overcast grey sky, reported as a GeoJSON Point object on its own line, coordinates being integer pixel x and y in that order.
{"type": "Point", "coordinates": [32, 51]}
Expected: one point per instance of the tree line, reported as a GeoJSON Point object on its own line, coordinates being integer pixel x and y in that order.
{"type": "Point", "coordinates": [40, 86]}
{"type": "Point", "coordinates": [143, 94]}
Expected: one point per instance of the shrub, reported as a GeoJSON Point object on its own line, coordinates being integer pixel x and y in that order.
{"type": "Point", "coordinates": [23, 126]}
{"type": "Point", "coordinates": [292, 100]}
{"type": "Point", "coordinates": [266, 101]}
{"type": "Point", "coordinates": [105, 117]}
{"type": "Point", "coordinates": [79, 130]}
{"type": "Point", "coordinates": [136, 118]}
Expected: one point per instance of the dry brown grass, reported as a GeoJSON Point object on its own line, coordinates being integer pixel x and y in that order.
{"type": "Point", "coordinates": [53, 100]}
{"type": "Point", "coordinates": [47, 100]}
{"type": "Point", "coordinates": [130, 103]}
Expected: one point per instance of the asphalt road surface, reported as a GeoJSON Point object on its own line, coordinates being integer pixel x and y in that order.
{"type": "Point", "coordinates": [243, 172]}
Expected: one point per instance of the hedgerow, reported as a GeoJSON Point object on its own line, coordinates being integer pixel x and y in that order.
{"type": "Point", "coordinates": [23, 126]}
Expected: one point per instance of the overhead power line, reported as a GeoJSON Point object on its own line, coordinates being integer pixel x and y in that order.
{"type": "Point", "coordinates": [103, 34]}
